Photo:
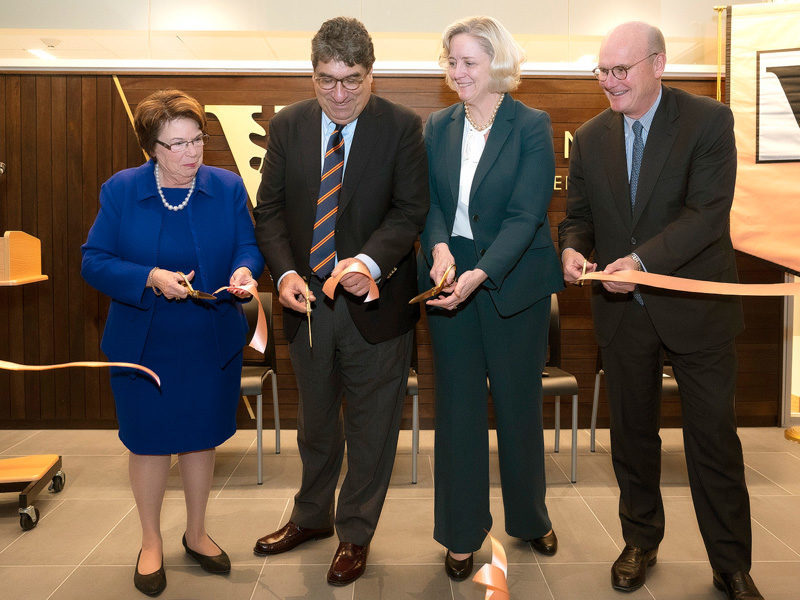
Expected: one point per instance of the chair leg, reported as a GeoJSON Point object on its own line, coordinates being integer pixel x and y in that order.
{"type": "Point", "coordinates": [594, 410]}
{"type": "Point", "coordinates": [414, 437]}
{"type": "Point", "coordinates": [276, 414]}
{"type": "Point", "coordinates": [558, 423]}
{"type": "Point", "coordinates": [574, 438]}
{"type": "Point", "coordinates": [259, 427]}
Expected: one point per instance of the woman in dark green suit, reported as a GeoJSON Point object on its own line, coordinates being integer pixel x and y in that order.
{"type": "Point", "coordinates": [491, 167]}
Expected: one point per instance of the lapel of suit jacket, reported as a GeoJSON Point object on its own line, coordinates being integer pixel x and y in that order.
{"type": "Point", "coordinates": [454, 134]}
{"type": "Point", "coordinates": [616, 165]}
{"type": "Point", "coordinates": [659, 143]}
{"type": "Point", "coordinates": [367, 135]}
{"type": "Point", "coordinates": [310, 144]}
{"type": "Point", "coordinates": [497, 137]}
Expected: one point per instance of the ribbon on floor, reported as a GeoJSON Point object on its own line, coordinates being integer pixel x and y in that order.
{"type": "Point", "coordinates": [329, 287]}
{"type": "Point", "coordinates": [259, 341]}
{"type": "Point", "coordinates": [11, 366]}
{"type": "Point", "coordinates": [681, 284]}
{"type": "Point", "coordinates": [494, 575]}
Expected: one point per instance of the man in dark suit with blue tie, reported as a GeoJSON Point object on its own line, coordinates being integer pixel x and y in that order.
{"type": "Point", "coordinates": [345, 183]}
{"type": "Point", "coordinates": [650, 188]}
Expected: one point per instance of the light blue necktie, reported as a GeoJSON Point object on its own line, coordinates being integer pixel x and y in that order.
{"type": "Point", "coordinates": [636, 160]}
{"type": "Point", "coordinates": [636, 165]}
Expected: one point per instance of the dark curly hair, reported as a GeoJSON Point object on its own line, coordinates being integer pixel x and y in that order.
{"type": "Point", "coordinates": [343, 39]}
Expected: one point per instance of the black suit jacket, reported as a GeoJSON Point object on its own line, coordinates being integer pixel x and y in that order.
{"type": "Point", "coordinates": [681, 222]}
{"type": "Point", "coordinates": [382, 206]}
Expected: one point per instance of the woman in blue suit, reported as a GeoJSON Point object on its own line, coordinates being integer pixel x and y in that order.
{"type": "Point", "coordinates": [491, 168]}
{"type": "Point", "coordinates": [169, 217]}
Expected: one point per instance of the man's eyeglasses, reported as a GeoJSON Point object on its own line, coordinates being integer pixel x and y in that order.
{"type": "Point", "coordinates": [620, 71]}
{"type": "Point", "coordinates": [351, 83]}
{"type": "Point", "coordinates": [176, 147]}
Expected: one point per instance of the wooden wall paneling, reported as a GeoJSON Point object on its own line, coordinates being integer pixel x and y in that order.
{"type": "Point", "coordinates": [74, 221]}
{"type": "Point", "coordinates": [29, 201]}
{"type": "Point", "coordinates": [13, 175]}
{"type": "Point", "coordinates": [5, 376]}
{"type": "Point", "coordinates": [44, 231]}
{"type": "Point", "coordinates": [92, 138]}
{"type": "Point", "coordinates": [87, 207]}
{"type": "Point", "coordinates": [60, 247]}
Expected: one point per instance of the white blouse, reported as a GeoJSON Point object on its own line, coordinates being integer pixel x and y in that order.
{"type": "Point", "coordinates": [472, 144]}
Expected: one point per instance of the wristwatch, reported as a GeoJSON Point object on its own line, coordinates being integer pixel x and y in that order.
{"type": "Point", "coordinates": [637, 260]}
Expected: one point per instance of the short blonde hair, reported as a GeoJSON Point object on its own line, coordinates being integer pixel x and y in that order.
{"type": "Point", "coordinates": [506, 54]}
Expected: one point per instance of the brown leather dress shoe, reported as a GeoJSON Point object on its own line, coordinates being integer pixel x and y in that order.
{"type": "Point", "coordinates": [630, 570]}
{"type": "Point", "coordinates": [349, 563]}
{"type": "Point", "coordinates": [457, 570]}
{"type": "Point", "coordinates": [737, 586]}
{"type": "Point", "coordinates": [547, 544]}
{"type": "Point", "coordinates": [287, 537]}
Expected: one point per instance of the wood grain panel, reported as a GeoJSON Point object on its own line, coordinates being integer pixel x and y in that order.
{"type": "Point", "coordinates": [63, 135]}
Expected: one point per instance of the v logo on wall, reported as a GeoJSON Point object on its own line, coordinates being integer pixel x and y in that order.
{"type": "Point", "coordinates": [778, 106]}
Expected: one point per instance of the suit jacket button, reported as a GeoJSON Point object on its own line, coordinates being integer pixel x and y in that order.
{"type": "Point", "coordinates": [474, 217]}
{"type": "Point", "coordinates": [483, 251]}
{"type": "Point", "coordinates": [633, 241]}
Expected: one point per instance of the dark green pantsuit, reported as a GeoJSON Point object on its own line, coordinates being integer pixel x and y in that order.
{"type": "Point", "coordinates": [469, 344]}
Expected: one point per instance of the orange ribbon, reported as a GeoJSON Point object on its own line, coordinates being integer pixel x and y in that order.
{"type": "Point", "coordinates": [10, 366]}
{"type": "Point", "coordinates": [329, 288]}
{"type": "Point", "coordinates": [494, 576]}
{"type": "Point", "coordinates": [260, 336]}
{"type": "Point", "coordinates": [681, 284]}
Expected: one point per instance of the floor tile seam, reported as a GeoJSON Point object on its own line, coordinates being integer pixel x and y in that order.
{"type": "Point", "coordinates": [563, 472]}
{"type": "Point", "coordinates": [33, 434]}
{"type": "Point", "coordinates": [88, 554]}
{"type": "Point", "coordinates": [260, 574]}
{"type": "Point", "coordinates": [62, 455]}
{"type": "Point", "coordinates": [541, 572]}
{"type": "Point", "coordinates": [769, 531]}
{"type": "Point", "coordinates": [238, 464]}
{"type": "Point", "coordinates": [599, 522]}
{"type": "Point", "coordinates": [59, 503]}
{"type": "Point", "coordinates": [768, 478]}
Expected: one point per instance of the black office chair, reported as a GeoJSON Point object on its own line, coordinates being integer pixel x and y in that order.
{"type": "Point", "coordinates": [669, 387]}
{"type": "Point", "coordinates": [557, 382]}
{"type": "Point", "coordinates": [256, 370]}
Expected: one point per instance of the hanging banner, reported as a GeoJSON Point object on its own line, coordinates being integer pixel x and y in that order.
{"type": "Point", "coordinates": [763, 90]}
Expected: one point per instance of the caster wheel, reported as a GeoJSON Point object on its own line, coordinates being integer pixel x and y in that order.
{"type": "Point", "coordinates": [59, 479]}
{"type": "Point", "coordinates": [27, 522]}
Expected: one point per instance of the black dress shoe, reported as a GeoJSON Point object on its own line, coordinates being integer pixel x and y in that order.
{"type": "Point", "coordinates": [630, 570]}
{"type": "Point", "coordinates": [349, 563]}
{"type": "Point", "coordinates": [737, 586]}
{"type": "Point", "coordinates": [219, 564]}
{"type": "Point", "coordinates": [153, 583]}
{"type": "Point", "coordinates": [287, 537]}
{"type": "Point", "coordinates": [547, 544]}
{"type": "Point", "coordinates": [457, 570]}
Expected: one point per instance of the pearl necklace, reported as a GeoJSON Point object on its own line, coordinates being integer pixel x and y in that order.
{"type": "Point", "coordinates": [166, 204]}
{"type": "Point", "coordinates": [477, 127]}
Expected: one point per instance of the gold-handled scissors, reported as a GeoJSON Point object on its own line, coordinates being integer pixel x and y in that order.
{"type": "Point", "coordinates": [308, 314]}
{"type": "Point", "coordinates": [583, 273]}
{"type": "Point", "coordinates": [435, 290]}
{"type": "Point", "coordinates": [193, 292]}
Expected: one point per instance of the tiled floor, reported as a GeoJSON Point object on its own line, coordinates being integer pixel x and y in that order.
{"type": "Point", "coordinates": [86, 542]}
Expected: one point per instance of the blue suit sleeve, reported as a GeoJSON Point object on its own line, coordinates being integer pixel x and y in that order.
{"type": "Point", "coordinates": [246, 253]}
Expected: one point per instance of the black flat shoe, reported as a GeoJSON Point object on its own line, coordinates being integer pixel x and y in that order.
{"type": "Point", "coordinates": [737, 586]}
{"type": "Point", "coordinates": [457, 570]}
{"type": "Point", "coordinates": [547, 545]}
{"type": "Point", "coordinates": [152, 584]}
{"type": "Point", "coordinates": [219, 564]}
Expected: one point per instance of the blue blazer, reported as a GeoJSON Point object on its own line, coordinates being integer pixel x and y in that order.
{"type": "Point", "coordinates": [122, 248]}
{"type": "Point", "coordinates": [508, 202]}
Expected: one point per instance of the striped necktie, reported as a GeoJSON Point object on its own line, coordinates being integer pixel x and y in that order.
{"type": "Point", "coordinates": [323, 245]}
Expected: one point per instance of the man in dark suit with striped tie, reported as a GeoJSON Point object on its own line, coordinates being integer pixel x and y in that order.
{"type": "Point", "coordinates": [345, 181]}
